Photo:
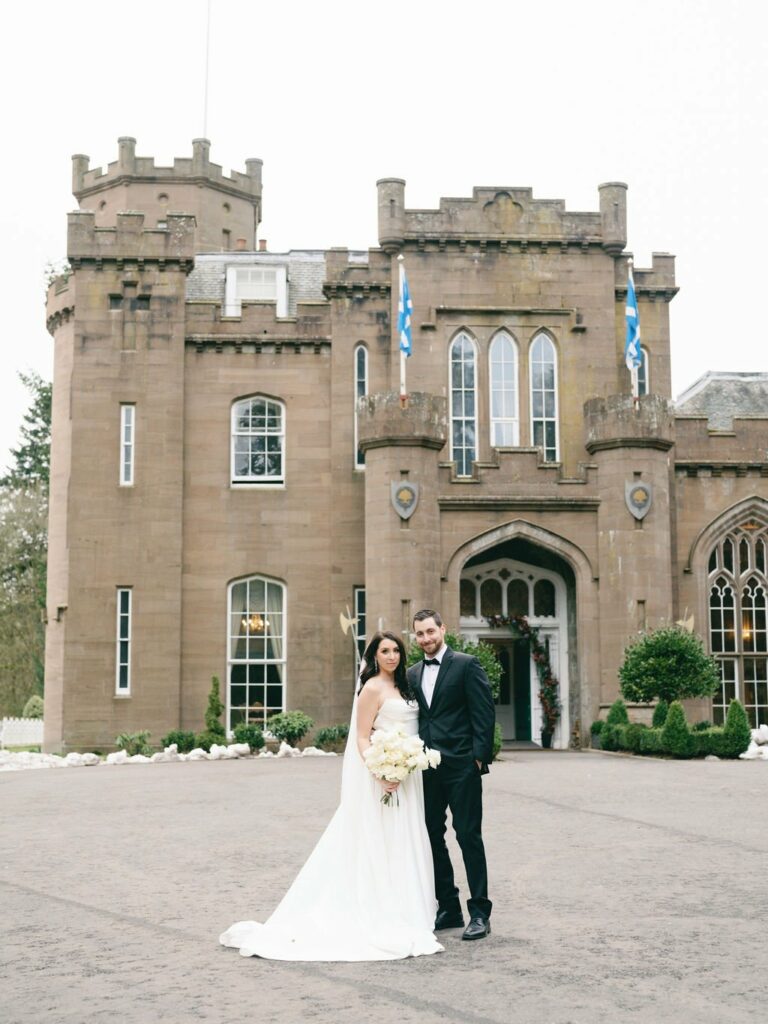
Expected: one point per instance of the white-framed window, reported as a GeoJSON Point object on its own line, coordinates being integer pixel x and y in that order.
{"type": "Point", "coordinates": [360, 628]}
{"type": "Point", "coordinates": [255, 283]}
{"type": "Point", "coordinates": [258, 441]}
{"type": "Point", "coordinates": [123, 642]}
{"type": "Point", "coordinates": [543, 372]}
{"type": "Point", "coordinates": [503, 376]}
{"type": "Point", "coordinates": [256, 649]}
{"type": "Point", "coordinates": [361, 389]}
{"type": "Point", "coordinates": [127, 444]}
{"type": "Point", "coordinates": [463, 389]}
{"type": "Point", "coordinates": [738, 620]}
{"type": "Point", "coordinates": [643, 375]}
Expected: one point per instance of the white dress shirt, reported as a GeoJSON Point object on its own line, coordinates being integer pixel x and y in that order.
{"type": "Point", "coordinates": [429, 676]}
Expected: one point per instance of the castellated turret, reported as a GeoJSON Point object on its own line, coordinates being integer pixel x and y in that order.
{"type": "Point", "coordinates": [227, 209]}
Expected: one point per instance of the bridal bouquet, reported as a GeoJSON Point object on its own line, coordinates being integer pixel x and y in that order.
{"type": "Point", "coordinates": [393, 756]}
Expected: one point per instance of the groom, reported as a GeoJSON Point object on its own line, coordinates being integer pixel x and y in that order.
{"type": "Point", "coordinates": [456, 717]}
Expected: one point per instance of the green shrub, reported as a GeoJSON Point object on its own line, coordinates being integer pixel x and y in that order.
{"type": "Point", "coordinates": [205, 740]}
{"type": "Point", "coordinates": [33, 708]}
{"type": "Point", "coordinates": [650, 741]}
{"type": "Point", "coordinates": [290, 726]}
{"type": "Point", "coordinates": [597, 727]}
{"type": "Point", "coordinates": [332, 737]}
{"type": "Point", "coordinates": [707, 741]}
{"type": "Point", "coordinates": [213, 713]}
{"type": "Point", "coordinates": [633, 736]}
{"type": "Point", "coordinates": [250, 734]}
{"type": "Point", "coordinates": [134, 742]}
{"type": "Point", "coordinates": [660, 713]}
{"type": "Point", "coordinates": [670, 664]}
{"type": "Point", "coordinates": [676, 737]}
{"type": "Point", "coordinates": [485, 654]}
{"type": "Point", "coordinates": [701, 726]}
{"type": "Point", "coordinates": [185, 741]}
{"type": "Point", "coordinates": [609, 737]}
{"type": "Point", "coordinates": [497, 740]}
{"type": "Point", "coordinates": [736, 731]}
{"type": "Point", "coordinates": [617, 713]}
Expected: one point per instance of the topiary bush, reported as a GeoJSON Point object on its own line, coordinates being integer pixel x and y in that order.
{"type": "Point", "coordinates": [250, 734]}
{"type": "Point", "coordinates": [485, 654]}
{"type": "Point", "coordinates": [668, 664]}
{"type": "Point", "coordinates": [633, 736]}
{"type": "Point", "coordinates": [134, 742]}
{"type": "Point", "coordinates": [736, 731]}
{"type": "Point", "coordinates": [707, 741]}
{"type": "Point", "coordinates": [701, 726]}
{"type": "Point", "coordinates": [676, 737]}
{"type": "Point", "coordinates": [609, 737]}
{"type": "Point", "coordinates": [205, 740]}
{"type": "Point", "coordinates": [213, 712]}
{"type": "Point", "coordinates": [33, 708]}
{"type": "Point", "coordinates": [497, 741]}
{"type": "Point", "coordinates": [660, 713]}
{"type": "Point", "coordinates": [650, 741]}
{"type": "Point", "coordinates": [290, 726]}
{"type": "Point", "coordinates": [617, 713]}
{"type": "Point", "coordinates": [332, 737]}
{"type": "Point", "coordinates": [185, 741]}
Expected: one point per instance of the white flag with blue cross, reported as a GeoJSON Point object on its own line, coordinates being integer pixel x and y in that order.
{"type": "Point", "coordinates": [404, 310]}
{"type": "Point", "coordinates": [632, 354]}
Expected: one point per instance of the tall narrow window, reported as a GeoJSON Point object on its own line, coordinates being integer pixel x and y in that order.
{"type": "Point", "coordinates": [463, 405]}
{"type": "Point", "coordinates": [361, 389]}
{"type": "Point", "coordinates": [127, 444]}
{"type": "Point", "coordinates": [543, 365]}
{"type": "Point", "coordinates": [258, 441]}
{"type": "Point", "coordinates": [643, 376]}
{"type": "Point", "coordinates": [360, 628]}
{"type": "Point", "coordinates": [256, 676]}
{"type": "Point", "coordinates": [738, 621]}
{"type": "Point", "coordinates": [123, 651]}
{"type": "Point", "coordinates": [505, 422]}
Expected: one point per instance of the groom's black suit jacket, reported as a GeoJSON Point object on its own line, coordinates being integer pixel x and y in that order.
{"type": "Point", "coordinates": [459, 722]}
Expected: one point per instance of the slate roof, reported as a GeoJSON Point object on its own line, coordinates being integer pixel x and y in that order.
{"type": "Point", "coordinates": [721, 396]}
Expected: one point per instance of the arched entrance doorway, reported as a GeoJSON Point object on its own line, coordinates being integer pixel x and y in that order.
{"type": "Point", "coordinates": [518, 577]}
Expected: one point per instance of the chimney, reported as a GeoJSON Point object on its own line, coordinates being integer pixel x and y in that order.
{"type": "Point", "coordinates": [262, 245]}
{"type": "Point", "coordinates": [240, 244]}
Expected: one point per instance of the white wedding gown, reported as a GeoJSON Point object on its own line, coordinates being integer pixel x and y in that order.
{"type": "Point", "coordinates": [367, 891]}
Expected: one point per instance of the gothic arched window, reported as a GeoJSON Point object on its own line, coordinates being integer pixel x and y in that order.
{"type": "Point", "coordinates": [643, 376]}
{"type": "Point", "coordinates": [505, 416]}
{"type": "Point", "coordinates": [361, 389]}
{"type": "Point", "coordinates": [256, 650]}
{"type": "Point", "coordinates": [543, 370]}
{"type": "Point", "coordinates": [463, 404]}
{"type": "Point", "coordinates": [738, 631]}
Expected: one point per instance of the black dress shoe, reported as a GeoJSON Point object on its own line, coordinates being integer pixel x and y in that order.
{"type": "Point", "coordinates": [477, 928]}
{"type": "Point", "coordinates": [448, 919]}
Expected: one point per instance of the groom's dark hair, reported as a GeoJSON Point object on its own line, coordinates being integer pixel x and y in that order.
{"type": "Point", "coordinates": [428, 613]}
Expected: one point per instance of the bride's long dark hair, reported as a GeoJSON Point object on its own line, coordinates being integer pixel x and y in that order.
{"type": "Point", "coordinates": [371, 665]}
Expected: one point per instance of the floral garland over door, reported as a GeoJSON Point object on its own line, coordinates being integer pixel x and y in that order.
{"type": "Point", "coordinates": [549, 687]}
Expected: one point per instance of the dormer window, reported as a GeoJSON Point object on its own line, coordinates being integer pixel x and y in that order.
{"type": "Point", "coordinates": [256, 283]}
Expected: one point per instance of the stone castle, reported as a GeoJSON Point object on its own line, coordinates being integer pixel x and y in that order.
{"type": "Point", "coordinates": [237, 490]}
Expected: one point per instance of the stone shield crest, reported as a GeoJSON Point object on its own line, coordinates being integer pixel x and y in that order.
{"type": "Point", "coordinates": [405, 497]}
{"type": "Point", "coordinates": [639, 497]}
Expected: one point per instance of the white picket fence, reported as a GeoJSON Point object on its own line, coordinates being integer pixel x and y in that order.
{"type": "Point", "coordinates": [21, 732]}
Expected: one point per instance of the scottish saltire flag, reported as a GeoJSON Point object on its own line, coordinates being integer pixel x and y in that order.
{"type": "Point", "coordinates": [632, 355]}
{"type": "Point", "coordinates": [404, 310]}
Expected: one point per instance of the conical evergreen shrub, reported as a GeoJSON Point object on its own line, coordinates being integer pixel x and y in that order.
{"type": "Point", "coordinates": [736, 732]}
{"type": "Point", "coordinates": [676, 737]}
{"type": "Point", "coordinates": [660, 713]}
{"type": "Point", "coordinates": [617, 713]}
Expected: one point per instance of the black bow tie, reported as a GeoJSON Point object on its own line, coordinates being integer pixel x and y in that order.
{"type": "Point", "coordinates": [431, 661]}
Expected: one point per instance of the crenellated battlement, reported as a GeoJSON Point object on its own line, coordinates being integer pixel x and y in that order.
{"type": "Point", "coordinates": [130, 240]}
{"type": "Point", "coordinates": [504, 216]}
{"type": "Point", "coordinates": [699, 446]}
{"type": "Point", "coordinates": [86, 180]}
{"type": "Point", "coordinates": [655, 283]}
{"type": "Point", "coordinates": [619, 421]}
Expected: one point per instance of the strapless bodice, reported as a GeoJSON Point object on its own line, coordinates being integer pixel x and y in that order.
{"type": "Point", "coordinates": [395, 713]}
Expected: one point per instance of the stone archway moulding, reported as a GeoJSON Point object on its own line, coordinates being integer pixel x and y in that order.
{"type": "Point", "coordinates": [725, 521]}
{"type": "Point", "coordinates": [572, 554]}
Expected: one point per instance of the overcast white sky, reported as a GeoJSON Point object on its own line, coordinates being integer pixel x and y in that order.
{"type": "Point", "coordinates": [671, 97]}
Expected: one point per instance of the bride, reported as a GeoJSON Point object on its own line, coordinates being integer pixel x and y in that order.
{"type": "Point", "coordinates": [367, 890]}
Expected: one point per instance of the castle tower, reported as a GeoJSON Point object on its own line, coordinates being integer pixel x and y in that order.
{"type": "Point", "coordinates": [402, 528]}
{"type": "Point", "coordinates": [227, 209]}
{"type": "Point", "coordinates": [631, 445]}
{"type": "Point", "coordinates": [115, 535]}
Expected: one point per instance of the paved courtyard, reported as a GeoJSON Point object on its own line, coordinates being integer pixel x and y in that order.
{"type": "Point", "coordinates": [625, 890]}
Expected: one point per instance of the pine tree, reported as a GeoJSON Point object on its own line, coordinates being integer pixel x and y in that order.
{"type": "Point", "coordinates": [32, 459]}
